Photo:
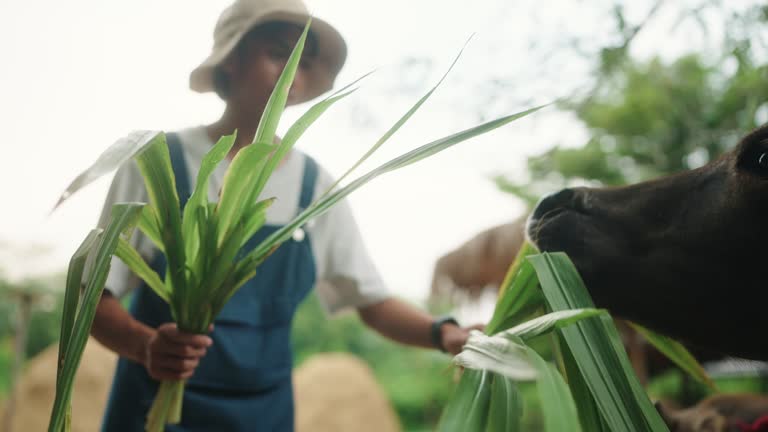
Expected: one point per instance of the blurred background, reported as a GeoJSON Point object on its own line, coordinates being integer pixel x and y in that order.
{"type": "Point", "coordinates": [643, 88]}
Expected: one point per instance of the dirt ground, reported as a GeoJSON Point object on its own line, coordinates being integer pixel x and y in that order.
{"type": "Point", "coordinates": [335, 392]}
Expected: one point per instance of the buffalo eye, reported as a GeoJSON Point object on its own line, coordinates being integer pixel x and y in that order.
{"type": "Point", "coordinates": [762, 160]}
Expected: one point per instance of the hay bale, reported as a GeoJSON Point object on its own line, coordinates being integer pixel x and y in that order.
{"type": "Point", "coordinates": [38, 386]}
{"type": "Point", "coordinates": [334, 392]}
{"type": "Point", "coordinates": [337, 392]}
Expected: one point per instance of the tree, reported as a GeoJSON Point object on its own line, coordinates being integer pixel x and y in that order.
{"type": "Point", "coordinates": [647, 118]}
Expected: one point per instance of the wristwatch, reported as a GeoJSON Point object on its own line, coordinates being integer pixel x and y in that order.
{"type": "Point", "coordinates": [436, 332]}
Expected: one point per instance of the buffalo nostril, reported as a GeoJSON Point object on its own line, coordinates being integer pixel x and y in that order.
{"type": "Point", "coordinates": [553, 201]}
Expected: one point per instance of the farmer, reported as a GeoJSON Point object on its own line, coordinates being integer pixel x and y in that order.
{"type": "Point", "coordinates": [239, 375]}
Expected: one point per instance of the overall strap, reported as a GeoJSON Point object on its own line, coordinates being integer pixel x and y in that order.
{"type": "Point", "coordinates": [308, 183]}
{"type": "Point", "coordinates": [179, 167]}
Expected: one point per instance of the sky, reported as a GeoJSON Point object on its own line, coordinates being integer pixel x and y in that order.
{"type": "Point", "coordinates": [78, 75]}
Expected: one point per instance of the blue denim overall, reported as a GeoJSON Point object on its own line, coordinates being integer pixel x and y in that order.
{"type": "Point", "coordinates": [244, 381]}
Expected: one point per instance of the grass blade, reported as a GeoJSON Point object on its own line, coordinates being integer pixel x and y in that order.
{"type": "Point", "coordinates": [72, 294]}
{"type": "Point", "coordinates": [321, 206]}
{"type": "Point", "coordinates": [138, 266]}
{"type": "Point", "coordinates": [199, 198]}
{"type": "Point", "coordinates": [519, 296]}
{"type": "Point", "coordinates": [589, 415]}
{"type": "Point", "coordinates": [238, 184]}
{"type": "Point", "coordinates": [276, 103]}
{"type": "Point", "coordinates": [113, 157]}
{"type": "Point", "coordinates": [677, 353]}
{"type": "Point", "coordinates": [506, 409]}
{"type": "Point", "coordinates": [398, 124]}
{"type": "Point", "coordinates": [148, 225]}
{"type": "Point", "coordinates": [557, 403]}
{"type": "Point", "coordinates": [123, 217]}
{"type": "Point", "coordinates": [597, 349]}
{"type": "Point", "coordinates": [255, 219]}
{"type": "Point", "coordinates": [294, 133]}
{"type": "Point", "coordinates": [505, 356]}
{"type": "Point", "coordinates": [543, 324]}
{"type": "Point", "coordinates": [468, 408]}
{"type": "Point", "coordinates": [159, 180]}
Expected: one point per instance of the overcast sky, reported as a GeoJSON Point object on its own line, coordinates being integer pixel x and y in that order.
{"type": "Point", "coordinates": [77, 75]}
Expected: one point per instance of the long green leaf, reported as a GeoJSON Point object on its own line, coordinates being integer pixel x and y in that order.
{"type": "Point", "coordinates": [557, 404]}
{"type": "Point", "coordinates": [597, 349]}
{"type": "Point", "coordinates": [519, 293]}
{"type": "Point", "coordinates": [276, 103]}
{"type": "Point", "coordinates": [293, 134]}
{"type": "Point", "coordinates": [468, 408]}
{"type": "Point", "coordinates": [543, 324]}
{"type": "Point", "coordinates": [155, 165]}
{"type": "Point", "coordinates": [72, 295]}
{"type": "Point", "coordinates": [238, 183]}
{"type": "Point", "coordinates": [123, 216]}
{"type": "Point", "coordinates": [255, 218]}
{"type": "Point", "coordinates": [398, 124]}
{"type": "Point", "coordinates": [149, 225]}
{"type": "Point", "coordinates": [589, 415]}
{"type": "Point", "coordinates": [112, 158]}
{"type": "Point", "coordinates": [677, 353]}
{"type": "Point", "coordinates": [320, 207]}
{"type": "Point", "coordinates": [501, 355]}
{"type": "Point", "coordinates": [138, 266]}
{"type": "Point", "coordinates": [505, 413]}
{"type": "Point", "coordinates": [199, 198]}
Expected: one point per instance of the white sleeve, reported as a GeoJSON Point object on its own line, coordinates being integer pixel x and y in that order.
{"type": "Point", "coordinates": [127, 186]}
{"type": "Point", "coordinates": [346, 275]}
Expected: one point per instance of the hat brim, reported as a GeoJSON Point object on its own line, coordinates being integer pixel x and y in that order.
{"type": "Point", "coordinates": [332, 52]}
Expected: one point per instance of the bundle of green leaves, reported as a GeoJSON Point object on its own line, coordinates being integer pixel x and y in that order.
{"type": "Point", "coordinates": [201, 243]}
{"type": "Point", "coordinates": [594, 387]}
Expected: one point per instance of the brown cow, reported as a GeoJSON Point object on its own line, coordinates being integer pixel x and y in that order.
{"type": "Point", "coordinates": [685, 254]}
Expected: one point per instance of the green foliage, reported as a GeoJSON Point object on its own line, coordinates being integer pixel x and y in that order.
{"type": "Point", "coordinates": [417, 382]}
{"type": "Point", "coordinates": [202, 242]}
{"type": "Point", "coordinates": [595, 388]}
{"type": "Point", "coordinates": [647, 118]}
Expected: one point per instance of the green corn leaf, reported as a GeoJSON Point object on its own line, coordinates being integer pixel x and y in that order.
{"type": "Point", "coordinates": [123, 217]}
{"type": "Point", "coordinates": [294, 133]}
{"type": "Point", "coordinates": [276, 103]}
{"type": "Point", "coordinates": [505, 413]}
{"type": "Point", "coordinates": [243, 172]}
{"type": "Point", "coordinates": [589, 415]}
{"type": "Point", "coordinates": [543, 324]}
{"type": "Point", "coordinates": [72, 294]}
{"type": "Point", "coordinates": [557, 403]}
{"type": "Point", "coordinates": [519, 293]}
{"type": "Point", "coordinates": [505, 356]}
{"type": "Point", "coordinates": [596, 346]}
{"type": "Point", "coordinates": [199, 198]}
{"type": "Point", "coordinates": [112, 158]}
{"type": "Point", "coordinates": [155, 165]}
{"type": "Point", "coordinates": [255, 218]}
{"type": "Point", "coordinates": [468, 409]}
{"type": "Point", "coordinates": [150, 227]}
{"type": "Point", "coordinates": [221, 269]}
{"type": "Point", "coordinates": [321, 206]}
{"type": "Point", "coordinates": [136, 263]}
{"type": "Point", "coordinates": [398, 124]}
{"type": "Point", "coordinates": [677, 353]}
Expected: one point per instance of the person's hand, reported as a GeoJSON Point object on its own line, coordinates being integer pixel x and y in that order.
{"type": "Point", "coordinates": [454, 337]}
{"type": "Point", "coordinates": [172, 354]}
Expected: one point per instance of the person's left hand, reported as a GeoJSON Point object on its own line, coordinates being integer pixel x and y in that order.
{"type": "Point", "coordinates": [454, 337]}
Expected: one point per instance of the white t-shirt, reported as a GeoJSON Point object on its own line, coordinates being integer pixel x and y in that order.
{"type": "Point", "coordinates": [346, 276]}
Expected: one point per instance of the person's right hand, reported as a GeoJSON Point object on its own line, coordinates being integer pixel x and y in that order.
{"type": "Point", "coordinates": [172, 354]}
